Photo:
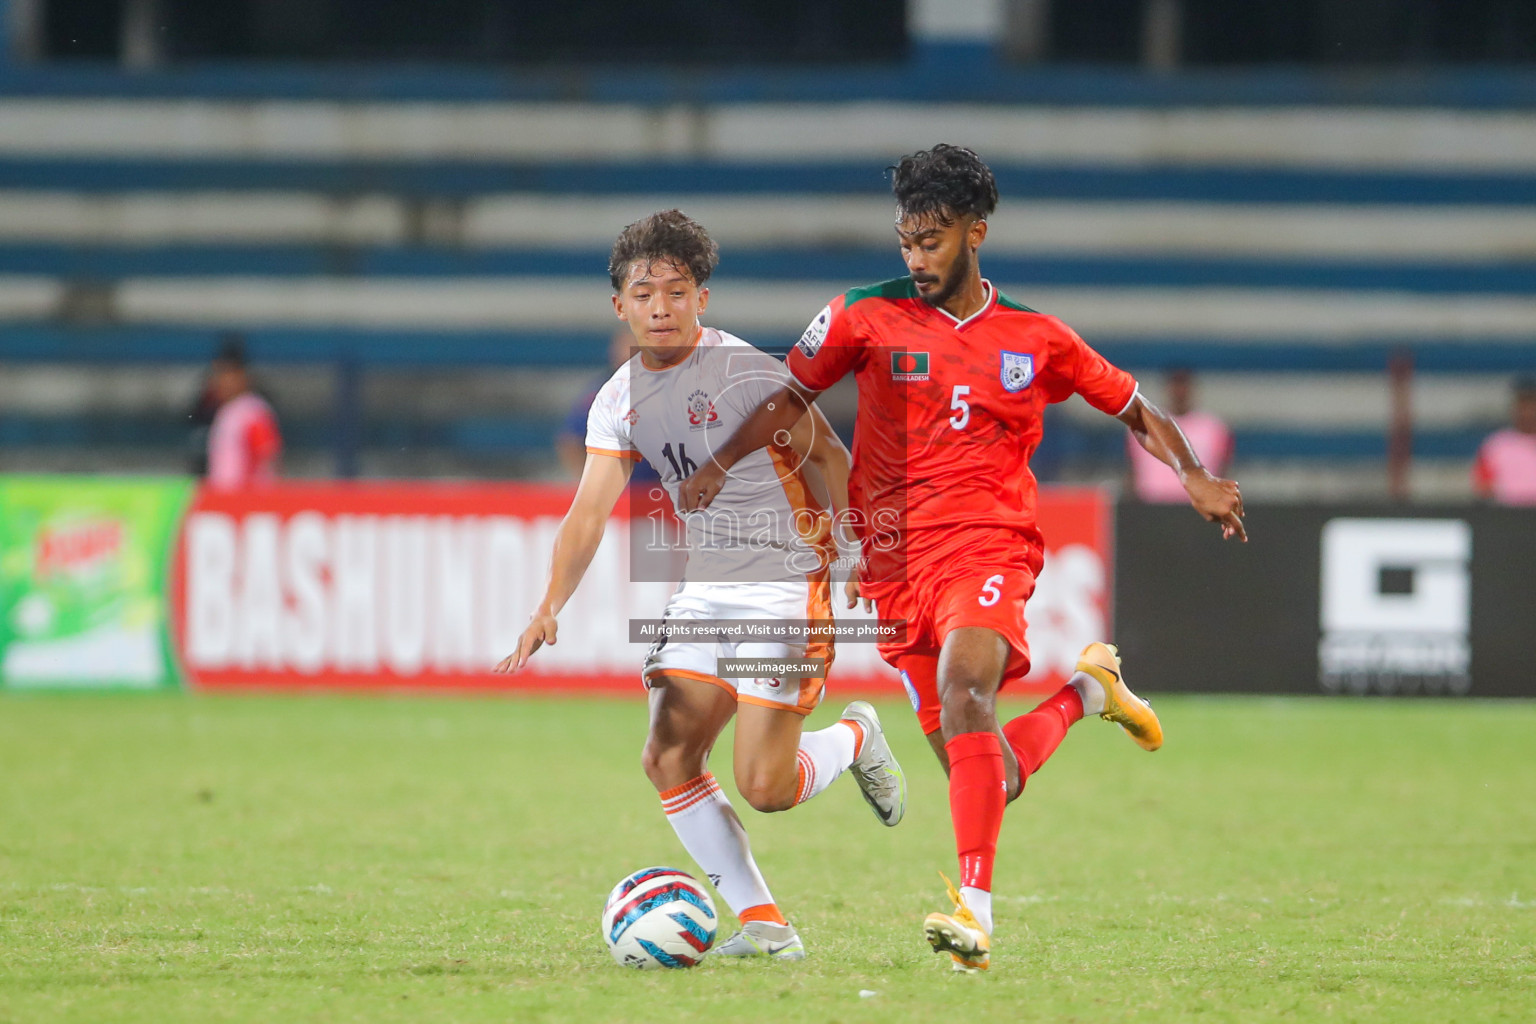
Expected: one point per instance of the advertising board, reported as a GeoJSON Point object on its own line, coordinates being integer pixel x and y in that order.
{"type": "Point", "coordinates": [82, 580]}
{"type": "Point", "coordinates": [1365, 600]}
{"type": "Point", "coordinates": [428, 586]}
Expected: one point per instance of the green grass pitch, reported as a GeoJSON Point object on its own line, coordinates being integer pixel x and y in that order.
{"type": "Point", "coordinates": [368, 859]}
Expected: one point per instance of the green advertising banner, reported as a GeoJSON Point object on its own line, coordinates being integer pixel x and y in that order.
{"type": "Point", "coordinates": [83, 580]}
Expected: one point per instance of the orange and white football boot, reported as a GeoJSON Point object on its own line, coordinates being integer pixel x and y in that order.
{"type": "Point", "coordinates": [1121, 706]}
{"type": "Point", "coordinates": [959, 934]}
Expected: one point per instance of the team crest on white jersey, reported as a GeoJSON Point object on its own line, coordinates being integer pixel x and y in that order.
{"type": "Point", "coordinates": [1017, 371]}
{"type": "Point", "coordinates": [701, 411]}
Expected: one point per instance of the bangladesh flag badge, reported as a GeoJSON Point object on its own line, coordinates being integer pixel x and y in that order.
{"type": "Point", "coordinates": [909, 365]}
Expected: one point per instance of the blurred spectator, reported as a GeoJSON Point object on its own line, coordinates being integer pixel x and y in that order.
{"type": "Point", "coordinates": [1151, 481]}
{"type": "Point", "coordinates": [1505, 470]}
{"type": "Point", "coordinates": [571, 441]}
{"type": "Point", "coordinates": [243, 438]}
{"type": "Point", "coordinates": [200, 416]}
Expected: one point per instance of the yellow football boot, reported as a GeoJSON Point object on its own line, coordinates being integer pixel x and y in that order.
{"type": "Point", "coordinates": [959, 934]}
{"type": "Point", "coordinates": [1121, 706]}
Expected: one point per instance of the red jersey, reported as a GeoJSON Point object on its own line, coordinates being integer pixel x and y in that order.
{"type": "Point", "coordinates": [243, 443]}
{"type": "Point", "coordinates": [950, 411]}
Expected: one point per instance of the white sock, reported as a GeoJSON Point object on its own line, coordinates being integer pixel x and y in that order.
{"type": "Point", "coordinates": [1091, 690]}
{"type": "Point", "coordinates": [823, 756]}
{"type": "Point", "coordinates": [980, 902]}
{"type": "Point", "coordinates": [713, 835]}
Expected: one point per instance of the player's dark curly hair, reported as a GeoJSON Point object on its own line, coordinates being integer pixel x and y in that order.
{"type": "Point", "coordinates": [945, 183]}
{"type": "Point", "coordinates": [670, 235]}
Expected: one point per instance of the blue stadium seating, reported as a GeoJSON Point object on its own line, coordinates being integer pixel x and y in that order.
{"type": "Point", "coordinates": [1409, 187]}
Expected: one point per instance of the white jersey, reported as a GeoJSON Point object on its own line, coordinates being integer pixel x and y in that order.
{"type": "Point", "coordinates": [766, 524]}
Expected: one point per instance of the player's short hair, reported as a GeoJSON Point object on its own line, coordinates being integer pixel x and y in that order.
{"type": "Point", "coordinates": [945, 183]}
{"type": "Point", "coordinates": [1525, 387]}
{"type": "Point", "coordinates": [671, 236]}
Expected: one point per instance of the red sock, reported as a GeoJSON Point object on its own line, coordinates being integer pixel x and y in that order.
{"type": "Point", "coordinates": [978, 792]}
{"type": "Point", "coordinates": [1034, 737]}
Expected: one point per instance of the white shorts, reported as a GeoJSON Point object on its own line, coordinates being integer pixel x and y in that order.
{"type": "Point", "coordinates": [794, 600]}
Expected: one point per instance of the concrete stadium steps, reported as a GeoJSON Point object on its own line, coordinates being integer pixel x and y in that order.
{"type": "Point", "coordinates": [331, 264]}
{"type": "Point", "coordinates": [458, 251]}
{"type": "Point", "coordinates": [729, 176]}
{"type": "Point", "coordinates": [531, 347]}
{"type": "Point", "coordinates": [494, 437]}
{"type": "Point", "coordinates": [475, 435]}
{"type": "Point", "coordinates": [939, 69]}
{"type": "Point", "coordinates": [492, 413]}
{"type": "Point", "coordinates": [200, 217]}
{"type": "Point", "coordinates": [493, 396]}
{"type": "Point", "coordinates": [492, 403]}
{"type": "Point", "coordinates": [1390, 234]}
{"type": "Point", "coordinates": [776, 133]}
{"type": "Point", "coordinates": [768, 310]}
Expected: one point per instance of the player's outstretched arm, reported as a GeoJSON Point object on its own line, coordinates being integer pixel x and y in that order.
{"type": "Point", "coordinates": [602, 481]}
{"type": "Point", "coordinates": [769, 422]}
{"type": "Point", "coordinates": [1217, 499]}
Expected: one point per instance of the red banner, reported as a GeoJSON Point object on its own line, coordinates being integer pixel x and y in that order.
{"type": "Point", "coordinates": [350, 585]}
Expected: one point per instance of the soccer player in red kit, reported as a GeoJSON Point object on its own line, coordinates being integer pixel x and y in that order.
{"type": "Point", "coordinates": [953, 380]}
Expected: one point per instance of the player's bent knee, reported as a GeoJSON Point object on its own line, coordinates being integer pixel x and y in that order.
{"type": "Point", "coordinates": [766, 792]}
{"type": "Point", "coordinates": [669, 765]}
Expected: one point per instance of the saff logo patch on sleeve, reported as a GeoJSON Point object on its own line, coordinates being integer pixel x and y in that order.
{"type": "Point", "coordinates": [810, 342]}
{"type": "Point", "coordinates": [909, 365]}
{"type": "Point", "coordinates": [1017, 371]}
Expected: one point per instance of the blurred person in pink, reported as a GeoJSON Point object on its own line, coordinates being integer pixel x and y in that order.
{"type": "Point", "coordinates": [243, 440]}
{"type": "Point", "coordinates": [1505, 470]}
{"type": "Point", "coordinates": [1151, 480]}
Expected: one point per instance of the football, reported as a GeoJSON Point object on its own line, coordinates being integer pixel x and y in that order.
{"type": "Point", "coordinates": [659, 917]}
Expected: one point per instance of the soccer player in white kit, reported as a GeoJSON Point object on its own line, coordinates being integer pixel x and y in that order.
{"type": "Point", "coordinates": [761, 552]}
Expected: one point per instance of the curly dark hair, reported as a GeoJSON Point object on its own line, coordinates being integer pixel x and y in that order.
{"type": "Point", "coordinates": [671, 236]}
{"type": "Point", "coordinates": [945, 182]}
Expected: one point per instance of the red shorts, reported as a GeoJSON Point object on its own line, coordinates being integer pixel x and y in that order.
{"type": "Point", "coordinates": [975, 581]}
